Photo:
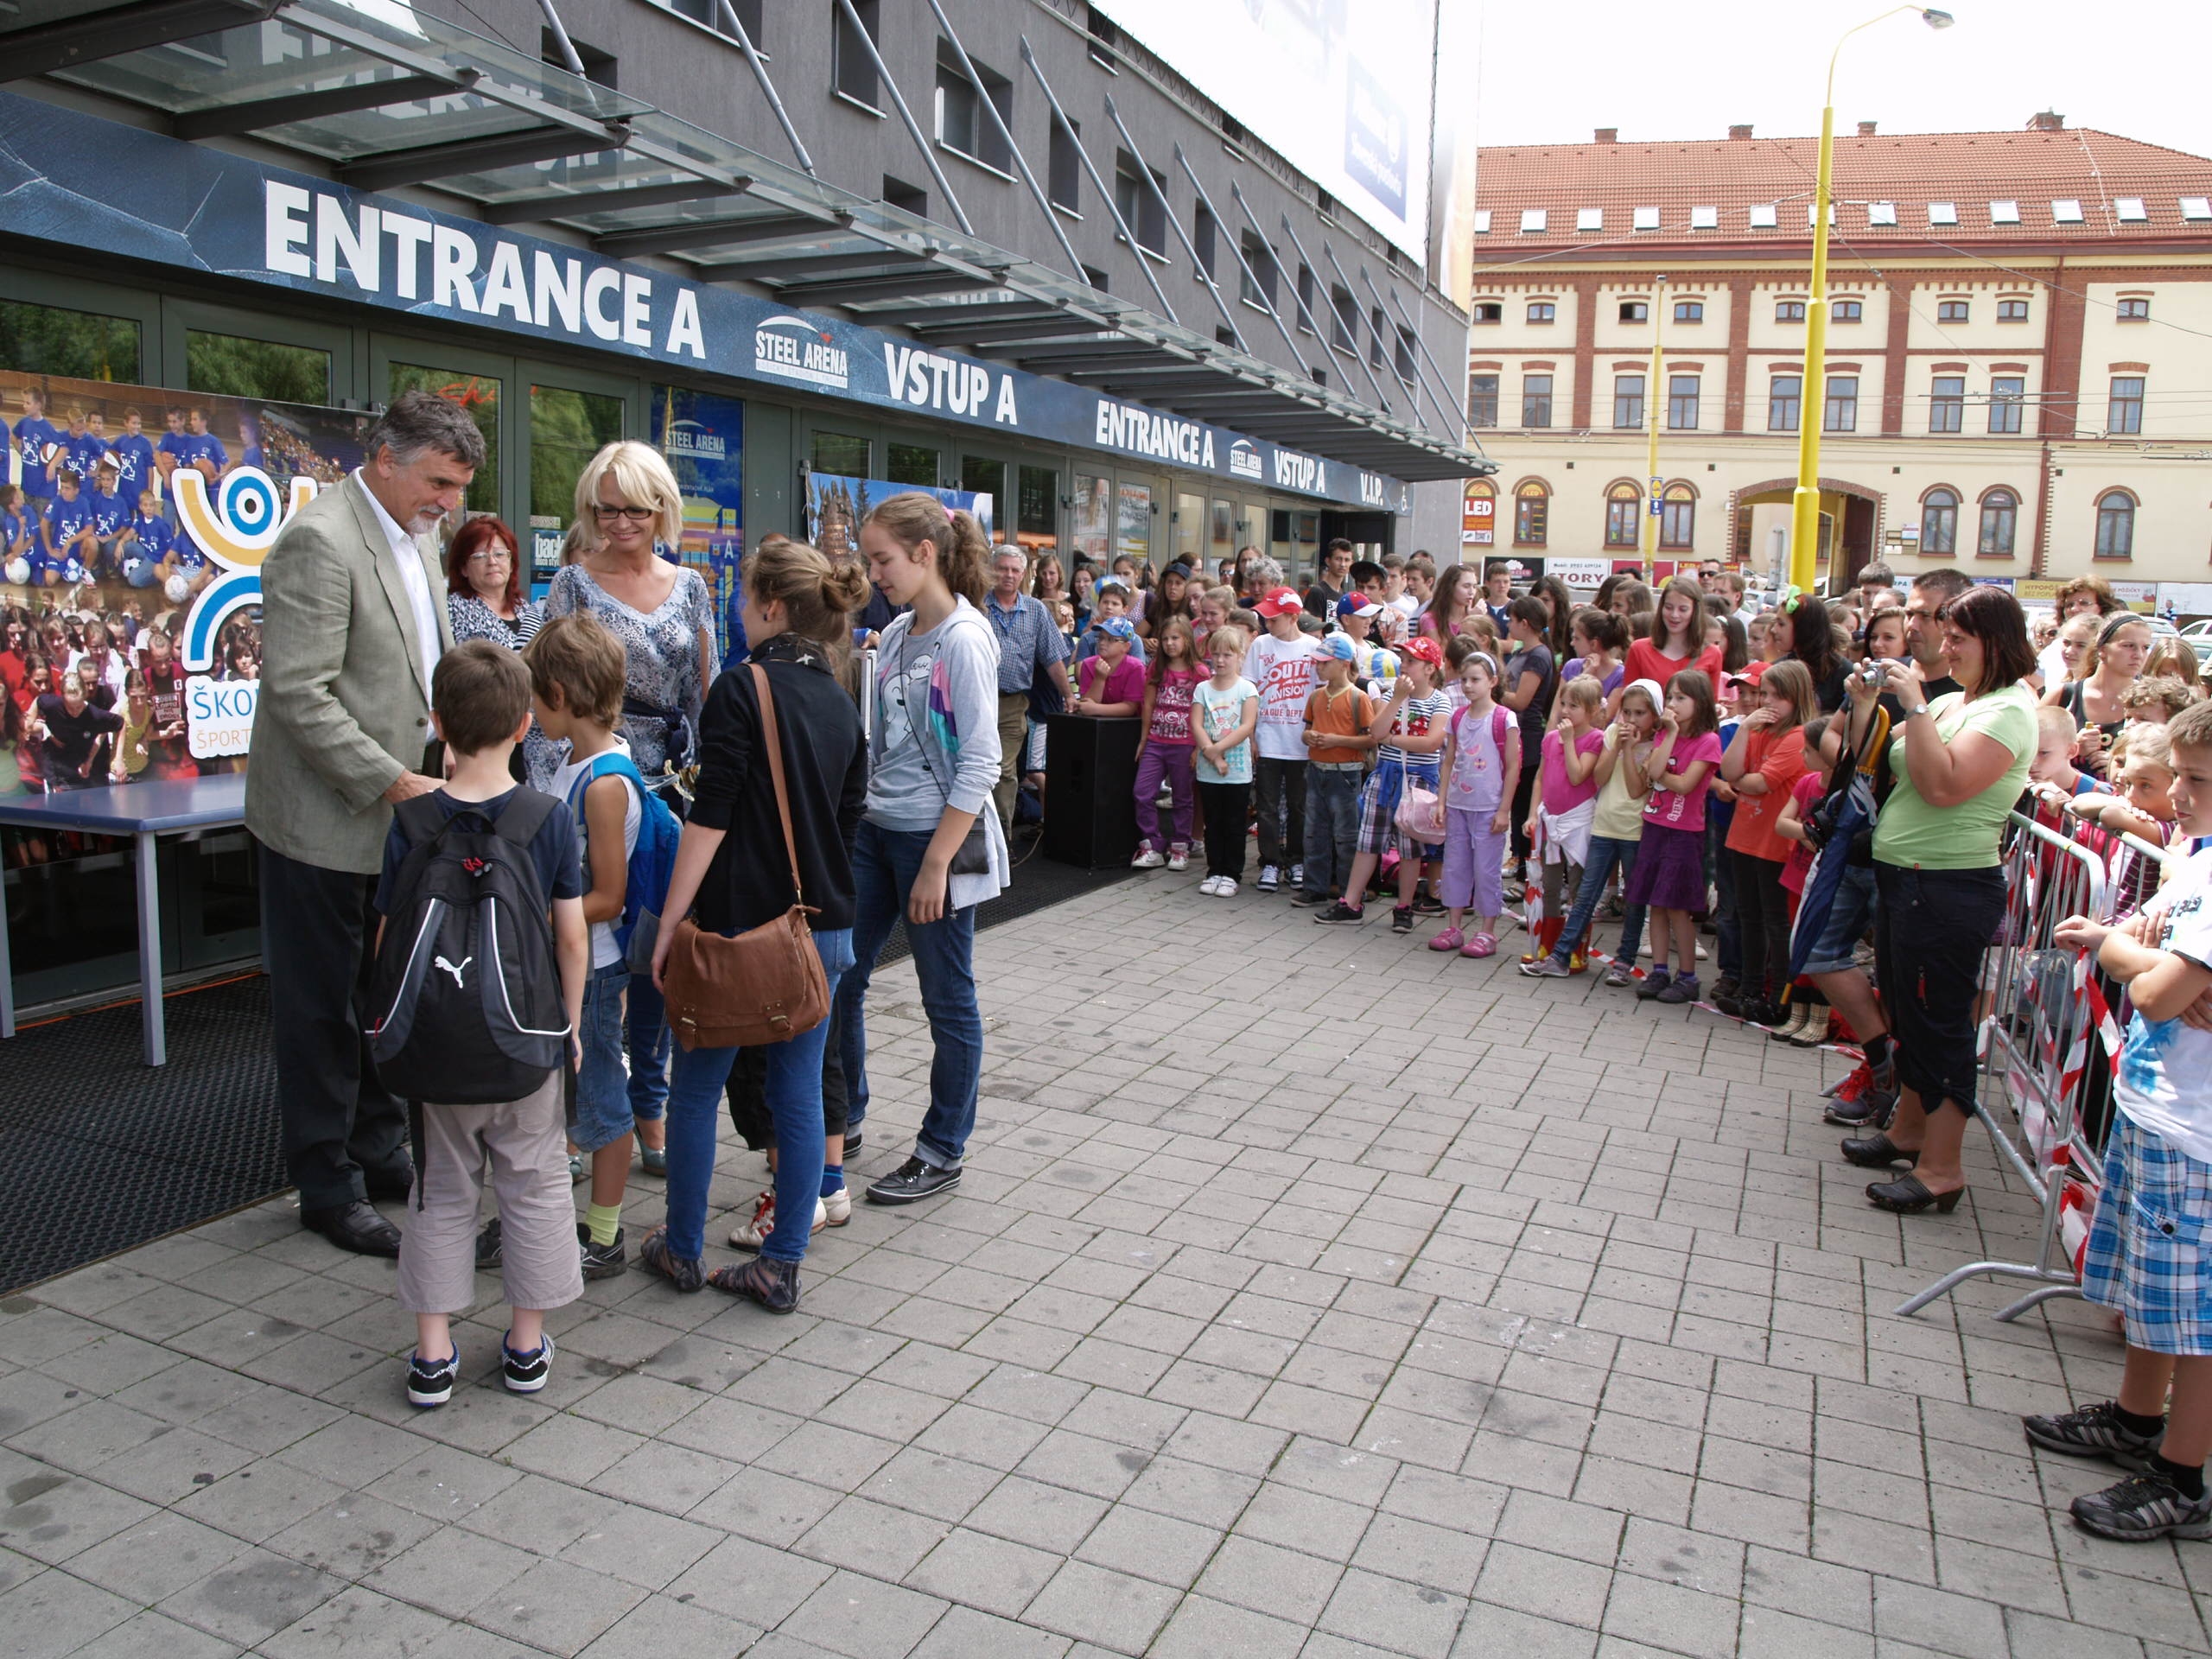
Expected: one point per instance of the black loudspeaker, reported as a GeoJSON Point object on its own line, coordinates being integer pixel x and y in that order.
{"type": "Point", "coordinates": [1090, 775]}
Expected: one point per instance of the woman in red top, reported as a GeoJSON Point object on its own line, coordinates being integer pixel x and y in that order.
{"type": "Point", "coordinates": [1676, 641]}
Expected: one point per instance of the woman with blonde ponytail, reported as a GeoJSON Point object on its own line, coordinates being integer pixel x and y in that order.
{"type": "Point", "coordinates": [929, 847]}
{"type": "Point", "coordinates": [733, 875]}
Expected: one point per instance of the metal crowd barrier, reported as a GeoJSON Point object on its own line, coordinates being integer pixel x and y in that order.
{"type": "Point", "coordinates": [2036, 1052]}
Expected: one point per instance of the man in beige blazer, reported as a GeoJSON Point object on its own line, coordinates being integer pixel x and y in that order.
{"type": "Point", "coordinates": [354, 622]}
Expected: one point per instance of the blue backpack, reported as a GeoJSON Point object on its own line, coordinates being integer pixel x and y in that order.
{"type": "Point", "coordinates": [652, 860]}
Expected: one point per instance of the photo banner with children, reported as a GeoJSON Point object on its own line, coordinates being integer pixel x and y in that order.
{"type": "Point", "coordinates": [836, 505]}
{"type": "Point", "coordinates": [133, 523]}
{"type": "Point", "coordinates": [702, 435]}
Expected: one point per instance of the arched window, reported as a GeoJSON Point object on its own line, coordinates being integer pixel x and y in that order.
{"type": "Point", "coordinates": [2115, 525]}
{"type": "Point", "coordinates": [1939, 522]}
{"type": "Point", "coordinates": [1678, 518]}
{"type": "Point", "coordinates": [1624, 507]}
{"type": "Point", "coordinates": [2000, 517]}
{"type": "Point", "coordinates": [1531, 513]}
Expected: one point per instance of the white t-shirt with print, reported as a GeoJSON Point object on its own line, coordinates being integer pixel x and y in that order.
{"type": "Point", "coordinates": [1283, 671]}
{"type": "Point", "coordinates": [2165, 1066]}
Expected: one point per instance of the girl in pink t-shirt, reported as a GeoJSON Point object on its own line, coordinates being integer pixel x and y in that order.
{"type": "Point", "coordinates": [1670, 874]}
{"type": "Point", "coordinates": [1168, 745]}
{"type": "Point", "coordinates": [1563, 804]}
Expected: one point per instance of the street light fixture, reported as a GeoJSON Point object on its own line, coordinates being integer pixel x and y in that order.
{"type": "Point", "coordinates": [1805, 500]}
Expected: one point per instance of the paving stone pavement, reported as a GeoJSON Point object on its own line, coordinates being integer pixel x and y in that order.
{"type": "Point", "coordinates": [1309, 1294]}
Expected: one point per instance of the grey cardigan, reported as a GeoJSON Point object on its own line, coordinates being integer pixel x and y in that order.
{"type": "Point", "coordinates": [343, 709]}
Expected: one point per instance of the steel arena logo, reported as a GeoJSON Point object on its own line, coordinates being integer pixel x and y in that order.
{"type": "Point", "coordinates": [236, 529]}
{"type": "Point", "coordinates": [792, 348]}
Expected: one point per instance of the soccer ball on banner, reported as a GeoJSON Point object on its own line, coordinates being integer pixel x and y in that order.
{"type": "Point", "coordinates": [19, 571]}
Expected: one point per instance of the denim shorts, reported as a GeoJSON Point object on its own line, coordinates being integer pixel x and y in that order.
{"type": "Point", "coordinates": [1850, 917]}
{"type": "Point", "coordinates": [603, 1114]}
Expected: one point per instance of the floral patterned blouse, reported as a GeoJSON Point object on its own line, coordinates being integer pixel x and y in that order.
{"type": "Point", "coordinates": [661, 652]}
{"type": "Point", "coordinates": [473, 619]}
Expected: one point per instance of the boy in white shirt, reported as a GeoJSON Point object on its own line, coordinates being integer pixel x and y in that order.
{"type": "Point", "coordinates": [1281, 663]}
{"type": "Point", "coordinates": [2149, 1256]}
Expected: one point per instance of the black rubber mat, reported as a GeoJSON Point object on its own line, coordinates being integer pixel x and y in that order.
{"type": "Point", "coordinates": [100, 1153]}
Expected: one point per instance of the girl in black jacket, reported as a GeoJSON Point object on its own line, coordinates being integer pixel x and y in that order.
{"type": "Point", "coordinates": [732, 874]}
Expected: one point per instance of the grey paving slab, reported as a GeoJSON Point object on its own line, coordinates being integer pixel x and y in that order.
{"type": "Point", "coordinates": [1555, 1331]}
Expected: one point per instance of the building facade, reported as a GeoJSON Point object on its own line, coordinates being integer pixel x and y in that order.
{"type": "Point", "coordinates": [2019, 350]}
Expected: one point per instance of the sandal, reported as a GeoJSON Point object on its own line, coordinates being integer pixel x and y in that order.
{"type": "Point", "coordinates": [1483, 945]}
{"type": "Point", "coordinates": [1449, 939]}
{"type": "Point", "coordinates": [1908, 1196]}
{"type": "Point", "coordinates": [686, 1274]}
{"type": "Point", "coordinates": [1877, 1152]}
{"type": "Point", "coordinates": [775, 1285]}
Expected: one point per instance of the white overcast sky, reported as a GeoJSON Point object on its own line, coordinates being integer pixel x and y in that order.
{"type": "Point", "coordinates": [1551, 71]}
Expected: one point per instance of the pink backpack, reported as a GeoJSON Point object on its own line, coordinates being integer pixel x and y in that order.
{"type": "Point", "coordinates": [1498, 727]}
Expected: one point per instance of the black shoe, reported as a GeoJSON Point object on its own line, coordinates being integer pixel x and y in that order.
{"type": "Point", "coordinates": [1878, 1151]}
{"type": "Point", "coordinates": [526, 1373]}
{"type": "Point", "coordinates": [914, 1179]}
{"type": "Point", "coordinates": [1762, 1014]}
{"type": "Point", "coordinates": [1727, 1001]}
{"type": "Point", "coordinates": [1341, 912]}
{"type": "Point", "coordinates": [490, 1249]}
{"type": "Point", "coordinates": [1401, 918]}
{"type": "Point", "coordinates": [353, 1227]}
{"type": "Point", "coordinates": [1869, 1111]}
{"type": "Point", "coordinates": [2092, 1432]}
{"type": "Point", "coordinates": [429, 1382]}
{"type": "Point", "coordinates": [852, 1143]}
{"type": "Point", "coordinates": [775, 1285]}
{"type": "Point", "coordinates": [395, 1183]}
{"type": "Point", "coordinates": [2143, 1507]}
{"type": "Point", "coordinates": [1427, 904]}
{"type": "Point", "coordinates": [601, 1261]}
{"type": "Point", "coordinates": [1304, 901]}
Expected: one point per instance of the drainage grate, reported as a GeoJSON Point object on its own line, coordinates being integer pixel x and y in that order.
{"type": "Point", "coordinates": [100, 1153]}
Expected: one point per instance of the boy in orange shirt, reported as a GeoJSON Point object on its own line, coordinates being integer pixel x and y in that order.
{"type": "Point", "coordinates": [1338, 715]}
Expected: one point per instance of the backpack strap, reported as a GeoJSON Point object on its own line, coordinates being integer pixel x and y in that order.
{"type": "Point", "coordinates": [524, 814]}
{"type": "Point", "coordinates": [1497, 724]}
{"type": "Point", "coordinates": [768, 735]}
{"type": "Point", "coordinates": [419, 818]}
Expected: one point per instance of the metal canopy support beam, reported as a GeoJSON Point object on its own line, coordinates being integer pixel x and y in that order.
{"type": "Point", "coordinates": [563, 204]}
{"type": "Point", "coordinates": [428, 161]}
{"type": "Point", "coordinates": [1006, 136]}
{"type": "Point", "coordinates": [1337, 322]}
{"type": "Point", "coordinates": [66, 42]}
{"type": "Point", "coordinates": [1105, 195]}
{"type": "Point", "coordinates": [913, 127]}
{"type": "Point", "coordinates": [569, 57]}
{"type": "Point", "coordinates": [1297, 356]}
{"type": "Point", "coordinates": [1002, 342]}
{"type": "Point", "coordinates": [863, 290]}
{"type": "Point", "coordinates": [709, 233]}
{"type": "Point", "coordinates": [1174, 224]}
{"type": "Point", "coordinates": [734, 27]}
{"type": "Point", "coordinates": [226, 120]}
{"type": "Point", "coordinates": [1447, 420]}
{"type": "Point", "coordinates": [799, 266]}
{"type": "Point", "coordinates": [1050, 363]}
{"type": "Point", "coordinates": [1457, 416]}
{"type": "Point", "coordinates": [1381, 397]}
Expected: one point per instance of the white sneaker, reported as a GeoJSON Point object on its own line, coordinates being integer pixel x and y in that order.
{"type": "Point", "coordinates": [750, 1235]}
{"type": "Point", "coordinates": [1297, 875]}
{"type": "Point", "coordinates": [1147, 860]}
{"type": "Point", "coordinates": [836, 1208]}
{"type": "Point", "coordinates": [1269, 878]}
{"type": "Point", "coordinates": [1207, 887]}
{"type": "Point", "coordinates": [1178, 859]}
{"type": "Point", "coordinates": [1224, 886]}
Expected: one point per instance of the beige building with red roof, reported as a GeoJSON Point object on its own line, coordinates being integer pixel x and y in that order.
{"type": "Point", "coordinates": [2020, 357]}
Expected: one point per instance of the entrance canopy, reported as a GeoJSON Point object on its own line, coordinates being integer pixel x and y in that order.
{"type": "Point", "coordinates": [389, 97]}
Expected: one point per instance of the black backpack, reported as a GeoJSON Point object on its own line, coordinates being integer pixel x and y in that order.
{"type": "Point", "coordinates": [466, 1001]}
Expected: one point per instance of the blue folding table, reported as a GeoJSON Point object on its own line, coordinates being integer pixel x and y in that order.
{"type": "Point", "coordinates": [144, 811]}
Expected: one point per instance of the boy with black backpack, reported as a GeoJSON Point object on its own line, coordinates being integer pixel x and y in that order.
{"type": "Point", "coordinates": [479, 983]}
{"type": "Point", "coordinates": [629, 837]}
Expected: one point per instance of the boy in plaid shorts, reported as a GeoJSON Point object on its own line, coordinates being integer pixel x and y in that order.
{"type": "Point", "coordinates": [2150, 1249]}
{"type": "Point", "coordinates": [1410, 730]}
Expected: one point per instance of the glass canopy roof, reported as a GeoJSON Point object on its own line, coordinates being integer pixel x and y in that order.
{"type": "Point", "coordinates": [389, 97]}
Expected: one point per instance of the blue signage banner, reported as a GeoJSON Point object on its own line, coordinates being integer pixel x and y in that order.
{"type": "Point", "coordinates": [702, 435]}
{"type": "Point", "coordinates": [75, 181]}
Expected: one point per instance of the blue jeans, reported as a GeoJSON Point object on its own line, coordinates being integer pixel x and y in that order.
{"type": "Point", "coordinates": [1605, 853]}
{"type": "Point", "coordinates": [1332, 830]}
{"type": "Point", "coordinates": [645, 1036]}
{"type": "Point", "coordinates": [794, 1091]}
{"type": "Point", "coordinates": [885, 864]}
{"type": "Point", "coordinates": [602, 1104]}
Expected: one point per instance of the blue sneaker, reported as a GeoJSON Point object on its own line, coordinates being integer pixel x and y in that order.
{"type": "Point", "coordinates": [526, 1373]}
{"type": "Point", "coordinates": [429, 1382]}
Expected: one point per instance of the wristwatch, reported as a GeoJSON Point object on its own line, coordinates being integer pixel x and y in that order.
{"type": "Point", "coordinates": [1917, 708]}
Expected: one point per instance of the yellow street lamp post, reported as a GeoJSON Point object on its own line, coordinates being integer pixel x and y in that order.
{"type": "Point", "coordinates": [1651, 535]}
{"type": "Point", "coordinates": [1811, 409]}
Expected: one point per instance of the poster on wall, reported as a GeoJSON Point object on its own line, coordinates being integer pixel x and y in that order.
{"type": "Point", "coordinates": [1133, 523]}
{"type": "Point", "coordinates": [1583, 575]}
{"type": "Point", "coordinates": [133, 523]}
{"type": "Point", "coordinates": [836, 503]}
{"type": "Point", "coordinates": [703, 436]}
{"type": "Point", "coordinates": [1093, 533]}
{"type": "Point", "coordinates": [1478, 516]}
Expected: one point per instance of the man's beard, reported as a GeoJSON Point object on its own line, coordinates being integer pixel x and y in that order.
{"type": "Point", "coordinates": [423, 523]}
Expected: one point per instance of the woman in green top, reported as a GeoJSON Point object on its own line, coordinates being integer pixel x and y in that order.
{"type": "Point", "coordinates": [1959, 764]}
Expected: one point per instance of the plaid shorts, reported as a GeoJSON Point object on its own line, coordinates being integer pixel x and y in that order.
{"type": "Point", "coordinates": [1378, 809]}
{"type": "Point", "coordinates": [2146, 1259]}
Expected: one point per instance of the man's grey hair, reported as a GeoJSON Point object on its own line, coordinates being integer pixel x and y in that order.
{"type": "Point", "coordinates": [1269, 571]}
{"type": "Point", "coordinates": [1005, 548]}
{"type": "Point", "coordinates": [420, 422]}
